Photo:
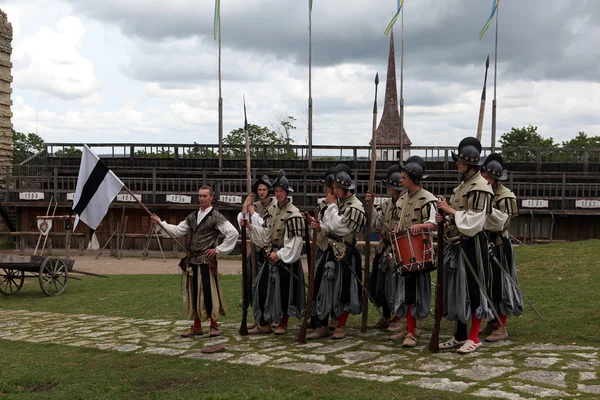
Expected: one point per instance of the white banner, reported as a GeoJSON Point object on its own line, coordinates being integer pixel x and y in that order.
{"type": "Point", "coordinates": [534, 203]}
{"type": "Point", "coordinates": [31, 196]}
{"type": "Point", "coordinates": [126, 197]}
{"type": "Point", "coordinates": [179, 198]}
{"type": "Point", "coordinates": [585, 203]}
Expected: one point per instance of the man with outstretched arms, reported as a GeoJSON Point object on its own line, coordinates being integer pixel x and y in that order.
{"type": "Point", "coordinates": [203, 297]}
{"type": "Point", "coordinates": [466, 260]}
{"type": "Point", "coordinates": [338, 270]}
{"type": "Point", "coordinates": [506, 297]}
{"type": "Point", "coordinates": [279, 288]}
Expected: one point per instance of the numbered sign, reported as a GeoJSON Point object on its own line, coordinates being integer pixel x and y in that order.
{"type": "Point", "coordinates": [31, 196]}
{"type": "Point", "coordinates": [179, 198]}
{"type": "Point", "coordinates": [585, 203]}
{"type": "Point", "coordinates": [126, 197]}
{"type": "Point", "coordinates": [70, 196]}
{"type": "Point", "coordinates": [231, 199]}
{"type": "Point", "coordinates": [534, 203]}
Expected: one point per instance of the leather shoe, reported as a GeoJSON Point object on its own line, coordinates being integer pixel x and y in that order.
{"type": "Point", "coordinates": [280, 330]}
{"type": "Point", "coordinates": [333, 323]}
{"type": "Point", "coordinates": [261, 329]}
{"type": "Point", "coordinates": [489, 328]}
{"type": "Point", "coordinates": [320, 333]}
{"type": "Point", "coordinates": [498, 335]}
{"type": "Point", "coordinates": [395, 326]}
{"type": "Point", "coordinates": [214, 331]}
{"type": "Point", "coordinates": [192, 332]}
{"type": "Point", "coordinates": [409, 340]}
{"type": "Point", "coordinates": [381, 324]}
{"type": "Point", "coordinates": [339, 333]}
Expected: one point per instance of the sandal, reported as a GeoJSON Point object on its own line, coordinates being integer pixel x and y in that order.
{"type": "Point", "coordinates": [214, 331]}
{"type": "Point", "coordinates": [468, 347]}
{"type": "Point", "coordinates": [452, 344]}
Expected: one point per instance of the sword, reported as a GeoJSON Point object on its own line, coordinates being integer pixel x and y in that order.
{"type": "Point", "coordinates": [516, 285]}
{"type": "Point", "coordinates": [289, 270]}
{"type": "Point", "coordinates": [481, 286]}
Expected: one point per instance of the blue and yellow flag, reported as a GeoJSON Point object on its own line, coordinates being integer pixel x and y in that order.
{"type": "Point", "coordinates": [216, 23]}
{"type": "Point", "coordinates": [489, 21]}
{"type": "Point", "coordinates": [393, 21]}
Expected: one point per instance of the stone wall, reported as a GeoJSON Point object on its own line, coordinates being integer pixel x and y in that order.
{"type": "Point", "coordinates": [6, 140]}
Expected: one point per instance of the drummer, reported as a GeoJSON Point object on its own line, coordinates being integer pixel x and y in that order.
{"type": "Point", "coordinates": [416, 210]}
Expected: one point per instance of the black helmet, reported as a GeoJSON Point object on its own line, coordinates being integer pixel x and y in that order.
{"type": "Point", "coordinates": [393, 181]}
{"type": "Point", "coordinates": [263, 180]}
{"type": "Point", "coordinates": [343, 180]}
{"type": "Point", "coordinates": [415, 167]}
{"type": "Point", "coordinates": [469, 150]}
{"type": "Point", "coordinates": [392, 169]}
{"type": "Point", "coordinates": [328, 177]}
{"type": "Point", "coordinates": [493, 165]}
{"type": "Point", "coordinates": [282, 182]}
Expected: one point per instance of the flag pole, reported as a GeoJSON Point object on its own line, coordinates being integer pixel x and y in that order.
{"type": "Point", "coordinates": [220, 92]}
{"type": "Point", "coordinates": [401, 158]}
{"type": "Point", "coordinates": [495, 81]}
{"type": "Point", "coordinates": [159, 222]}
{"type": "Point", "coordinates": [310, 107]}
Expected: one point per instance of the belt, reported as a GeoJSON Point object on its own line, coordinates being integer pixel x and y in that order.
{"type": "Point", "coordinates": [340, 239]}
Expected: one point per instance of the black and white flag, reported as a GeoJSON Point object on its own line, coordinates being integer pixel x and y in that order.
{"type": "Point", "coordinates": [97, 186]}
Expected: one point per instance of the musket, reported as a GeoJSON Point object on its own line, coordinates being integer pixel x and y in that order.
{"type": "Point", "coordinates": [365, 314]}
{"type": "Point", "coordinates": [434, 342]}
{"type": "Point", "coordinates": [482, 105]}
{"type": "Point", "coordinates": [245, 295]}
{"type": "Point", "coordinates": [301, 337]}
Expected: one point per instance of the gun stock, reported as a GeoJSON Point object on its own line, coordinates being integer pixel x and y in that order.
{"type": "Point", "coordinates": [301, 337]}
{"type": "Point", "coordinates": [245, 302]}
{"type": "Point", "coordinates": [434, 342]}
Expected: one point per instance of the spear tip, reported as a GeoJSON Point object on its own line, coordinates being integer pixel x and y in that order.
{"type": "Point", "coordinates": [487, 62]}
{"type": "Point", "coordinates": [377, 78]}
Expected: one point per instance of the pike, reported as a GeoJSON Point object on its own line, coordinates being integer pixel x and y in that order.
{"type": "Point", "coordinates": [301, 337]}
{"type": "Point", "coordinates": [245, 295]}
{"type": "Point", "coordinates": [365, 314]}
{"type": "Point", "coordinates": [434, 341]}
{"type": "Point", "coordinates": [482, 105]}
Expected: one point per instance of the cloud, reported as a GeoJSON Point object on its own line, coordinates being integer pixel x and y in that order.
{"type": "Point", "coordinates": [49, 61]}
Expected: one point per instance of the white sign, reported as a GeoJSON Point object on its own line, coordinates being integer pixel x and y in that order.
{"type": "Point", "coordinates": [70, 196]}
{"type": "Point", "coordinates": [534, 203]}
{"type": "Point", "coordinates": [44, 225]}
{"type": "Point", "coordinates": [584, 203]}
{"type": "Point", "coordinates": [31, 196]}
{"type": "Point", "coordinates": [232, 199]}
{"type": "Point", "coordinates": [179, 198]}
{"type": "Point", "coordinates": [126, 197]}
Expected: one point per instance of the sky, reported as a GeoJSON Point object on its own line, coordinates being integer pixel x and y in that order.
{"type": "Point", "coordinates": [145, 71]}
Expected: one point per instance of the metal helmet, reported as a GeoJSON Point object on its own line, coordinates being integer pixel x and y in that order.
{"type": "Point", "coordinates": [327, 179]}
{"type": "Point", "coordinates": [282, 182]}
{"type": "Point", "coordinates": [393, 181]}
{"type": "Point", "coordinates": [469, 151]}
{"type": "Point", "coordinates": [263, 180]}
{"type": "Point", "coordinates": [493, 165]}
{"type": "Point", "coordinates": [343, 180]}
{"type": "Point", "coordinates": [415, 167]}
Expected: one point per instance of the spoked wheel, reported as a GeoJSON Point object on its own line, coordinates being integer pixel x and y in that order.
{"type": "Point", "coordinates": [53, 276]}
{"type": "Point", "coordinates": [11, 280]}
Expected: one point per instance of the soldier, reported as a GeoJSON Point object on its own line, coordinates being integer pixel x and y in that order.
{"type": "Point", "coordinates": [255, 212]}
{"type": "Point", "coordinates": [466, 261]}
{"type": "Point", "coordinates": [278, 290]}
{"type": "Point", "coordinates": [203, 297]}
{"type": "Point", "coordinates": [506, 297]}
{"type": "Point", "coordinates": [338, 270]}
{"type": "Point", "coordinates": [415, 212]}
{"type": "Point", "coordinates": [382, 282]}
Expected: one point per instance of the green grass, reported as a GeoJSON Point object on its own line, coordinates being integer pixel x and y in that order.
{"type": "Point", "coordinates": [562, 280]}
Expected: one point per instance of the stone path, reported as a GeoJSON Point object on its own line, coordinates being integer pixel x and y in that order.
{"type": "Point", "coordinates": [526, 371]}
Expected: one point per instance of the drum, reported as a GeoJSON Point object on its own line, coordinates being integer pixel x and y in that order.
{"type": "Point", "coordinates": [413, 253]}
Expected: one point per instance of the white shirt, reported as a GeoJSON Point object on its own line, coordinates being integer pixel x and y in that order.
{"type": "Point", "coordinates": [226, 229]}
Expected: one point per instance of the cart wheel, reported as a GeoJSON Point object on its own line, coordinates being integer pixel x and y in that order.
{"type": "Point", "coordinates": [11, 280]}
{"type": "Point", "coordinates": [53, 276]}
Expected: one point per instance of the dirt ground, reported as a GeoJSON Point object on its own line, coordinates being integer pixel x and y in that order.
{"type": "Point", "coordinates": [133, 263]}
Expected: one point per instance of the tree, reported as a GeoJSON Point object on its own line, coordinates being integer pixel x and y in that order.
{"type": "Point", "coordinates": [582, 141]}
{"type": "Point", "coordinates": [199, 151]}
{"type": "Point", "coordinates": [277, 145]}
{"type": "Point", "coordinates": [525, 137]}
{"type": "Point", "coordinates": [25, 145]}
{"type": "Point", "coordinates": [68, 152]}
{"type": "Point", "coordinates": [159, 154]}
